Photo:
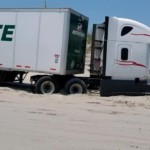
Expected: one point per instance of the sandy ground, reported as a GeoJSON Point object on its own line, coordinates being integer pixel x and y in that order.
{"type": "Point", "coordinates": [72, 122]}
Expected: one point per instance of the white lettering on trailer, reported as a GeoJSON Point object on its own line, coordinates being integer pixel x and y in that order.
{"type": "Point", "coordinates": [81, 34]}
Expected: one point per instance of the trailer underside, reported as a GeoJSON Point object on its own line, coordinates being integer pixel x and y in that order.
{"type": "Point", "coordinates": [71, 84]}
{"type": "Point", "coordinates": [12, 76]}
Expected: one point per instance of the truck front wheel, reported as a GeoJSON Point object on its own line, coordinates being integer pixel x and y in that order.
{"type": "Point", "coordinates": [75, 86]}
{"type": "Point", "coordinates": [46, 85]}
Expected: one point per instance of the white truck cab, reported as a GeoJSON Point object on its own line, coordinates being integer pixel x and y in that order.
{"type": "Point", "coordinates": [124, 59]}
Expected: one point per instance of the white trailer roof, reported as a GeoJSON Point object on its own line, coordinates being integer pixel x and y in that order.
{"type": "Point", "coordinates": [42, 10]}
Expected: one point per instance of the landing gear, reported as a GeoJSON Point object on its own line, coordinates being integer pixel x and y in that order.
{"type": "Point", "coordinates": [12, 76]}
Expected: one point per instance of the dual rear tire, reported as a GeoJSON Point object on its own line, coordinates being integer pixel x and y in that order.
{"type": "Point", "coordinates": [75, 86]}
{"type": "Point", "coordinates": [49, 85]}
{"type": "Point", "coordinates": [46, 85]}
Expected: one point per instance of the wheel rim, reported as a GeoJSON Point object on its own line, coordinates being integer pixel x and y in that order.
{"type": "Point", "coordinates": [47, 87]}
{"type": "Point", "coordinates": [76, 89]}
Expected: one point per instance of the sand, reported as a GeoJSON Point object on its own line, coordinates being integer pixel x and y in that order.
{"type": "Point", "coordinates": [72, 122]}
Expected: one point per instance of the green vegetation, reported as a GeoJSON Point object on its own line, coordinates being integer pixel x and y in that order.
{"type": "Point", "coordinates": [89, 38]}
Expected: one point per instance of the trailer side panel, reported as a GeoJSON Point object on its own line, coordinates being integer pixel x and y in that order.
{"type": "Point", "coordinates": [7, 39]}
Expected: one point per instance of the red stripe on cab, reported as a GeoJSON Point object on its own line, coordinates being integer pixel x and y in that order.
{"type": "Point", "coordinates": [27, 66]}
{"type": "Point", "coordinates": [52, 69]}
{"type": "Point", "coordinates": [19, 66]}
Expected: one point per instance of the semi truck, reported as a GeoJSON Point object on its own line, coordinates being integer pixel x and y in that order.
{"type": "Point", "coordinates": [53, 42]}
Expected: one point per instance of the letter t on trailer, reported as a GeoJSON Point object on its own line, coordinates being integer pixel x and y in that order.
{"type": "Point", "coordinates": [124, 56]}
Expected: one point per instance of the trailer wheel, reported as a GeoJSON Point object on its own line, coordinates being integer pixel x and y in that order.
{"type": "Point", "coordinates": [46, 85]}
{"type": "Point", "coordinates": [75, 86]}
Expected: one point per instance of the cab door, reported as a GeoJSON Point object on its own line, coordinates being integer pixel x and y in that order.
{"type": "Point", "coordinates": [131, 61]}
{"type": "Point", "coordinates": [123, 63]}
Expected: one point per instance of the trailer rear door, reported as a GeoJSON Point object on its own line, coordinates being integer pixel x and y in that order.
{"type": "Point", "coordinates": [77, 44]}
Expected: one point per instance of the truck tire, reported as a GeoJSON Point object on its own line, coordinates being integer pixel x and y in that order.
{"type": "Point", "coordinates": [46, 85]}
{"type": "Point", "coordinates": [75, 86]}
